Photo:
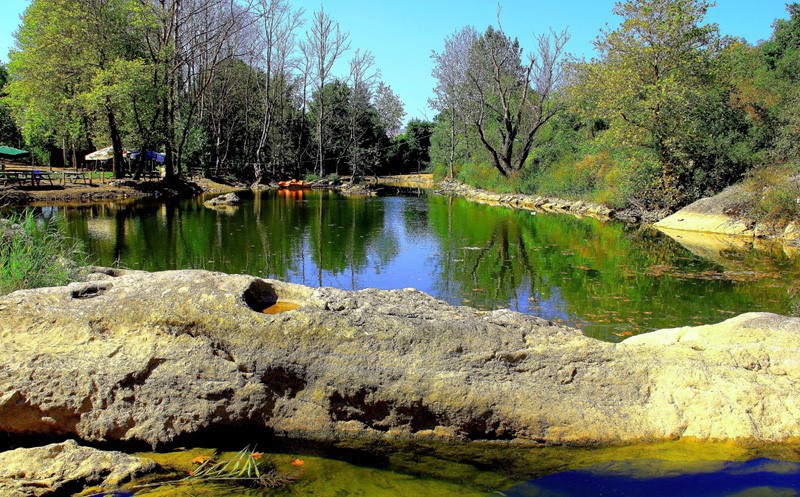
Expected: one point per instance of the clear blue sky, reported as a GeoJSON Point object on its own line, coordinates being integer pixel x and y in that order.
{"type": "Point", "coordinates": [402, 33]}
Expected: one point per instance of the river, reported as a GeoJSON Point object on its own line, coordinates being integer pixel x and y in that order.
{"type": "Point", "coordinates": [607, 278]}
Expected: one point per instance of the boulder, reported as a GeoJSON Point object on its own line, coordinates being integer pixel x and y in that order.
{"type": "Point", "coordinates": [152, 357]}
{"type": "Point", "coordinates": [715, 214]}
{"type": "Point", "coordinates": [65, 468]}
{"type": "Point", "coordinates": [227, 200]}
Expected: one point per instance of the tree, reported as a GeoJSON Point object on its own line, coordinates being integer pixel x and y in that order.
{"type": "Point", "coordinates": [650, 72]}
{"type": "Point", "coordinates": [450, 70]}
{"type": "Point", "coordinates": [411, 150]}
{"type": "Point", "coordinates": [278, 22]}
{"type": "Point", "coordinates": [390, 109]}
{"type": "Point", "coordinates": [334, 102]}
{"type": "Point", "coordinates": [9, 132]}
{"type": "Point", "coordinates": [362, 79]}
{"type": "Point", "coordinates": [60, 67]}
{"type": "Point", "coordinates": [778, 80]}
{"type": "Point", "coordinates": [513, 99]}
{"type": "Point", "coordinates": [324, 44]}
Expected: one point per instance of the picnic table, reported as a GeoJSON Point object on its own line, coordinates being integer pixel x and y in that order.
{"type": "Point", "coordinates": [25, 177]}
{"type": "Point", "coordinates": [84, 177]}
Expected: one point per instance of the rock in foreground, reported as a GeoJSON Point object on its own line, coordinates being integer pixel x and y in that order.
{"type": "Point", "coordinates": [152, 357]}
{"type": "Point", "coordinates": [64, 468]}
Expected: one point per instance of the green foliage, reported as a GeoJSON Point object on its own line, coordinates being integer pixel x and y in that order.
{"type": "Point", "coordinates": [35, 253]}
{"type": "Point", "coordinates": [410, 152]}
{"type": "Point", "coordinates": [775, 194]}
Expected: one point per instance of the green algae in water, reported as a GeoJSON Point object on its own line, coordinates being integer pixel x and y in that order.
{"type": "Point", "coordinates": [320, 477]}
{"type": "Point", "coordinates": [475, 469]}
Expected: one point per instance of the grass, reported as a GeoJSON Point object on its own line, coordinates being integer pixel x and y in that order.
{"type": "Point", "coordinates": [35, 253]}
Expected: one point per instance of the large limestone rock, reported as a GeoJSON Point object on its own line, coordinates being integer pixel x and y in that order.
{"type": "Point", "coordinates": [65, 468]}
{"type": "Point", "coordinates": [152, 357]}
{"type": "Point", "coordinates": [712, 215]}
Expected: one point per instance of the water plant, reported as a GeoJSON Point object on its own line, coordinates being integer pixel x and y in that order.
{"type": "Point", "coordinates": [247, 468]}
{"type": "Point", "coordinates": [35, 253]}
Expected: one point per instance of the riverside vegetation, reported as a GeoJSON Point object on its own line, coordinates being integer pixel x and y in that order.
{"type": "Point", "coordinates": [35, 254]}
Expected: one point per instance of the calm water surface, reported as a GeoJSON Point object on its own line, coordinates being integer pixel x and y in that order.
{"type": "Point", "coordinates": [606, 278]}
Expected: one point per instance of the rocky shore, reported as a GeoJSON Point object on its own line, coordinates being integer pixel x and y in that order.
{"type": "Point", "coordinates": [532, 202]}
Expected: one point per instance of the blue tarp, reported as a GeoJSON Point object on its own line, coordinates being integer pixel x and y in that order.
{"type": "Point", "coordinates": [149, 155]}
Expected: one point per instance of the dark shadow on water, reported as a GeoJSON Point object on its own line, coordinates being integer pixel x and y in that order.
{"type": "Point", "coordinates": [758, 477]}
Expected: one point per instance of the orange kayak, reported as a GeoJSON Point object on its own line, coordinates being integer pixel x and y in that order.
{"type": "Point", "coordinates": [293, 184]}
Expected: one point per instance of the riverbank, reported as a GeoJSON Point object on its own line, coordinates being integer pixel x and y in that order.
{"type": "Point", "coordinates": [531, 202]}
{"type": "Point", "coordinates": [721, 214]}
{"type": "Point", "coordinates": [125, 189]}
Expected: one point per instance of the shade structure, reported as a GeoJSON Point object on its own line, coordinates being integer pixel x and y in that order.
{"type": "Point", "coordinates": [148, 155]}
{"type": "Point", "coordinates": [102, 154]}
{"type": "Point", "coordinates": [12, 153]}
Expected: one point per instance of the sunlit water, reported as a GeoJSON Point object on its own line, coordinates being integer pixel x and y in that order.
{"type": "Point", "coordinates": [609, 279]}
{"type": "Point", "coordinates": [606, 278]}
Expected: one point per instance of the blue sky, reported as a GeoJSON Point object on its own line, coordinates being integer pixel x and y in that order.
{"type": "Point", "coordinates": [402, 33]}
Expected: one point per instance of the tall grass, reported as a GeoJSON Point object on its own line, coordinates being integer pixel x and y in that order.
{"type": "Point", "coordinates": [35, 253]}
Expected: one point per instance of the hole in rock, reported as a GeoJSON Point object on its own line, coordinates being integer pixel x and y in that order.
{"type": "Point", "coordinates": [90, 291]}
{"type": "Point", "coordinates": [261, 296]}
{"type": "Point", "coordinates": [108, 271]}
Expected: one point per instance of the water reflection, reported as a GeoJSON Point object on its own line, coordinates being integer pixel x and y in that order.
{"type": "Point", "coordinates": [610, 280]}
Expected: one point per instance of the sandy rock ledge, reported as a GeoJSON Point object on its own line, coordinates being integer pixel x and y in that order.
{"type": "Point", "coordinates": [151, 357]}
{"type": "Point", "coordinates": [65, 468]}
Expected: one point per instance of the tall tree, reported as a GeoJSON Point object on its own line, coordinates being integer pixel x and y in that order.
{"type": "Point", "coordinates": [450, 70]}
{"type": "Point", "coordinates": [513, 99]}
{"type": "Point", "coordinates": [277, 22]}
{"type": "Point", "coordinates": [325, 43]}
{"type": "Point", "coordinates": [362, 80]}
{"type": "Point", "coordinates": [64, 57]}
{"type": "Point", "coordinates": [187, 41]}
{"type": "Point", "coordinates": [651, 70]}
{"type": "Point", "coordinates": [9, 132]}
{"type": "Point", "coordinates": [390, 109]}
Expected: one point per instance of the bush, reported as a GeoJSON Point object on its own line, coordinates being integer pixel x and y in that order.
{"type": "Point", "coordinates": [35, 254]}
{"type": "Point", "coordinates": [776, 194]}
{"type": "Point", "coordinates": [487, 177]}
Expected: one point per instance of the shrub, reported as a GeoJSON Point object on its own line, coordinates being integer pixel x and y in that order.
{"type": "Point", "coordinates": [775, 194]}
{"type": "Point", "coordinates": [35, 253]}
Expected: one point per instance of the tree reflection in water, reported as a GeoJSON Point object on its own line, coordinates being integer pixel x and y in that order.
{"type": "Point", "coordinates": [609, 279]}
